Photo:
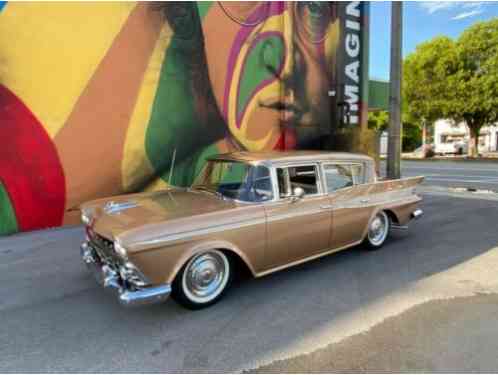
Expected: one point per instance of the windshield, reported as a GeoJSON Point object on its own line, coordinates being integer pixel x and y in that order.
{"type": "Point", "coordinates": [235, 180]}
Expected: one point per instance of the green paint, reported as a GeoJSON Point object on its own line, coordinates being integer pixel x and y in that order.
{"type": "Point", "coordinates": [175, 123]}
{"type": "Point", "coordinates": [8, 221]}
{"type": "Point", "coordinates": [203, 7]}
{"type": "Point", "coordinates": [263, 61]}
{"type": "Point", "coordinates": [172, 122]}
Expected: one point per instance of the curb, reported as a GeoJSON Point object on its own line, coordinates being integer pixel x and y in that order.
{"type": "Point", "coordinates": [466, 193]}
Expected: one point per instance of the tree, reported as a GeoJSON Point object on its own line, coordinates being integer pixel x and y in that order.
{"type": "Point", "coordinates": [425, 74]}
{"type": "Point", "coordinates": [411, 132]}
{"type": "Point", "coordinates": [378, 120]}
{"type": "Point", "coordinates": [457, 80]}
{"type": "Point", "coordinates": [474, 86]}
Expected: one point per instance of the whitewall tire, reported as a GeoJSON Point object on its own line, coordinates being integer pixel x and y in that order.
{"type": "Point", "coordinates": [203, 280]}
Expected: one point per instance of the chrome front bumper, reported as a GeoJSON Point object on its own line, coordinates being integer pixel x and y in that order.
{"type": "Point", "coordinates": [110, 279]}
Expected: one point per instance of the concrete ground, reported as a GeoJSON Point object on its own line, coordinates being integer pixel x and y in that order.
{"type": "Point", "coordinates": [473, 174]}
{"type": "Point", "coordinates": [401, 300]}
{"type": "Point", "coordinates": [452, 335]}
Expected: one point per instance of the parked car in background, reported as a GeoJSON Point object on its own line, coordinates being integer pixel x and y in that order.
{"type": "Point", "coordinates": [259, 211]}
{"type": "Point", "coordinates": [451, 146]}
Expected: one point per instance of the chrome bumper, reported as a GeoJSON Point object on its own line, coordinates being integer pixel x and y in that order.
{"type": "Point", "coordinates": [110, 279]}
{"type": "Point", "coordinates": [417, 214]}
{"type": "Point", "coordinates": [414, 215]}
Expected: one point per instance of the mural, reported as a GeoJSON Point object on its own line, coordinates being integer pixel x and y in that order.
{"type": "Point", "coordinates": [100, 98]}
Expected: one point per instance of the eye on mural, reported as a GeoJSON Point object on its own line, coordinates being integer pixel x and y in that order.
{"type": "Point", "coordinates": [105, 107]}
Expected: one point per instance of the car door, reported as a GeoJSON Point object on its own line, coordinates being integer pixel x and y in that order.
{"type": "Point", "coordinates": [297, 228]}
{"type": "Point", "coordinates": [351, 206]}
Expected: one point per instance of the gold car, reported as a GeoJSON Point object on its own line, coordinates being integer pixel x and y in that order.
{"type": "Point", "coordinates": [261, 211]}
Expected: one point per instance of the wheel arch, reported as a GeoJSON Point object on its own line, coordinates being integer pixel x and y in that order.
{"type": "Point", "coordinates": [390, 214]}
{"type": "Point", "coordinates": [225, 247]}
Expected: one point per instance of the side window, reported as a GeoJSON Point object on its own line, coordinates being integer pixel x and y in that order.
{"type": "Point", "coordinates": [358, 173]}
{"type": "Point", "coordinates": [338, 176]}
{"type": "Point", "coordinates": [283, 182]}
{"type": "Point", "coordinates": [261, 180]}
{"type": "Point", "coordinates": [305, 177]}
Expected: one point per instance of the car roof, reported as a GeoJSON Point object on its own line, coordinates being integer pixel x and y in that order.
{"type": "Point", "coordinates": [291, 156]}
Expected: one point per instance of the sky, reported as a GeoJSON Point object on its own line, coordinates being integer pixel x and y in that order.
{"type": "Point", "coordinates": [421, 22]}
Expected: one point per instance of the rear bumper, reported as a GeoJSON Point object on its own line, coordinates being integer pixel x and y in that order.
{"type": "Point", "coordinates": [417, 214]}
{"type": "Point", "coordinates": [110, 279]}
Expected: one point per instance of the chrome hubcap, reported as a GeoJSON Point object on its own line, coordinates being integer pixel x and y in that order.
{"type": "Point", "coordinates": [205, 276]}
{"type": "Point", "coordinates": [379, 226]}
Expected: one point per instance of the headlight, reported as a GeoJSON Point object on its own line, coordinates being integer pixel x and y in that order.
{"type": "Point", "coordinates": [85, 218]}
{"type": "Point", "coordinates": [120, 250]}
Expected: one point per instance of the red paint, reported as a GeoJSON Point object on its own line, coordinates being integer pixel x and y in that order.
{"type": "Point", "coordinates": [30, 169]}
{"type": "Point", "coordinates": [287, 140]}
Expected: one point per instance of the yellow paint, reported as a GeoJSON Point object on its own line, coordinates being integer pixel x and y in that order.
{"type": "Point", "coordinates": [136, 167]}
{"type": "Point", "coordinates": [50, 50]}
{"type": "Point", "coordinates": [332, 44]}
{"type": "Point", "coordinates": [155, 185]}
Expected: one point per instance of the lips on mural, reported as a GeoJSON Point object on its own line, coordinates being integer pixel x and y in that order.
{"type": "Point", "coordinates": [30, 170]}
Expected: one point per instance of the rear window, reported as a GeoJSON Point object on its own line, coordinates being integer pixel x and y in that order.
{"type": "Point", "coordinates": [340, 176]}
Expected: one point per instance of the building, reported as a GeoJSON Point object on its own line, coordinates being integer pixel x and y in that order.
{"type": "Point", "coordinates": [452, 138]}
{"type": "Point", "coordinates": [106, 98]}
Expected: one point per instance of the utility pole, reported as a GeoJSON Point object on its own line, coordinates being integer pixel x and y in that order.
{"type": "Point", "coordinates": [394, 143]}
{"type": "Point", "coordinates": [424, 138]}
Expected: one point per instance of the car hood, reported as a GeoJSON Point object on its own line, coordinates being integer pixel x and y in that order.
{"type": "Point", "coordinates": [127, 216]}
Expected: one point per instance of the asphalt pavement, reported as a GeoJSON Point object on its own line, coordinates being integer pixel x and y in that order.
{"type": "Point", "coordinates": [449, 335]}
{"type": "Point", "coordinates": [54, 318]}
{"type": "Point", "coordinates": [465, 174]}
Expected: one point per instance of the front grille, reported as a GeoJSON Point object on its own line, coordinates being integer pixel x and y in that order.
{"type": "Point", "coordinates": [105, 250]}
{"type": "Point", "coordinates": [103, 242]}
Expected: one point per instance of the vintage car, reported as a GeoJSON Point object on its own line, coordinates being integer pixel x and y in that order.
{"type": "Point", "coordinates": [259, 211]}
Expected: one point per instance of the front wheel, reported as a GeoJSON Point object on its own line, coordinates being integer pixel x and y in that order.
{"type": "Point", "coordinates": [203, 280]}
{"type": "Point", "coordinates": [378, 230]}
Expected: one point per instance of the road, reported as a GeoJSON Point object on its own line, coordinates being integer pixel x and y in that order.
{"type": "Point", "coordinates": [467, 174]}
{"type": "Point", "coordinates": [426, 338]}
{"type": "Point", "coordinates": [54, 318]}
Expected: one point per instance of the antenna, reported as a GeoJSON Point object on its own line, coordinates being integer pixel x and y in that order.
{"type": "Point", "coordinates": [172, 166]}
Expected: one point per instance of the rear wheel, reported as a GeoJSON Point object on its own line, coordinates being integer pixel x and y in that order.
{"type": "Point", "coordinates": [203, 280]}
{"type": "Point", "coordinates": [378, 230]}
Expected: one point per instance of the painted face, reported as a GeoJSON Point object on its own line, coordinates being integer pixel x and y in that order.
{"type": "Point", "coordinates": [271, 66]}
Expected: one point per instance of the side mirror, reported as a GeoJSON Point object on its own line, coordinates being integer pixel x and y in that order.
{"type": "Point", "coordinates": [297, 193]}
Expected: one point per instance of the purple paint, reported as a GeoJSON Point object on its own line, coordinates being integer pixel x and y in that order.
{"type": "Point", "coordinates": [275, 8]}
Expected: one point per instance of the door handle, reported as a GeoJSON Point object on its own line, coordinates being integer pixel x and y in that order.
{"type": "Point", "coordinates": [364, 200]}
{"type": "Point", "coordinates": [326, 207]}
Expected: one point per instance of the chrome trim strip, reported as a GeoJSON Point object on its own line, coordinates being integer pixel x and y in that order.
{"type": "Point", "coordinates": [313, 211]}
{"type": "Point", "coordinates": [316, 256]}
{"type": "Point", "coordinates": [200, 232]}
{"type": "Point", "coordinates": [399, 227]}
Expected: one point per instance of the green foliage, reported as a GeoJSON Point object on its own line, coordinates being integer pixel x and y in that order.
{"type": "Point", "coordinates": [378, 120]}
{"type": "Point", "coordinates": [412, 136]}
{"type": "Point", "coordinates": [412, 133]}
{"type": "Point", "coordinates": [457, 80]}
